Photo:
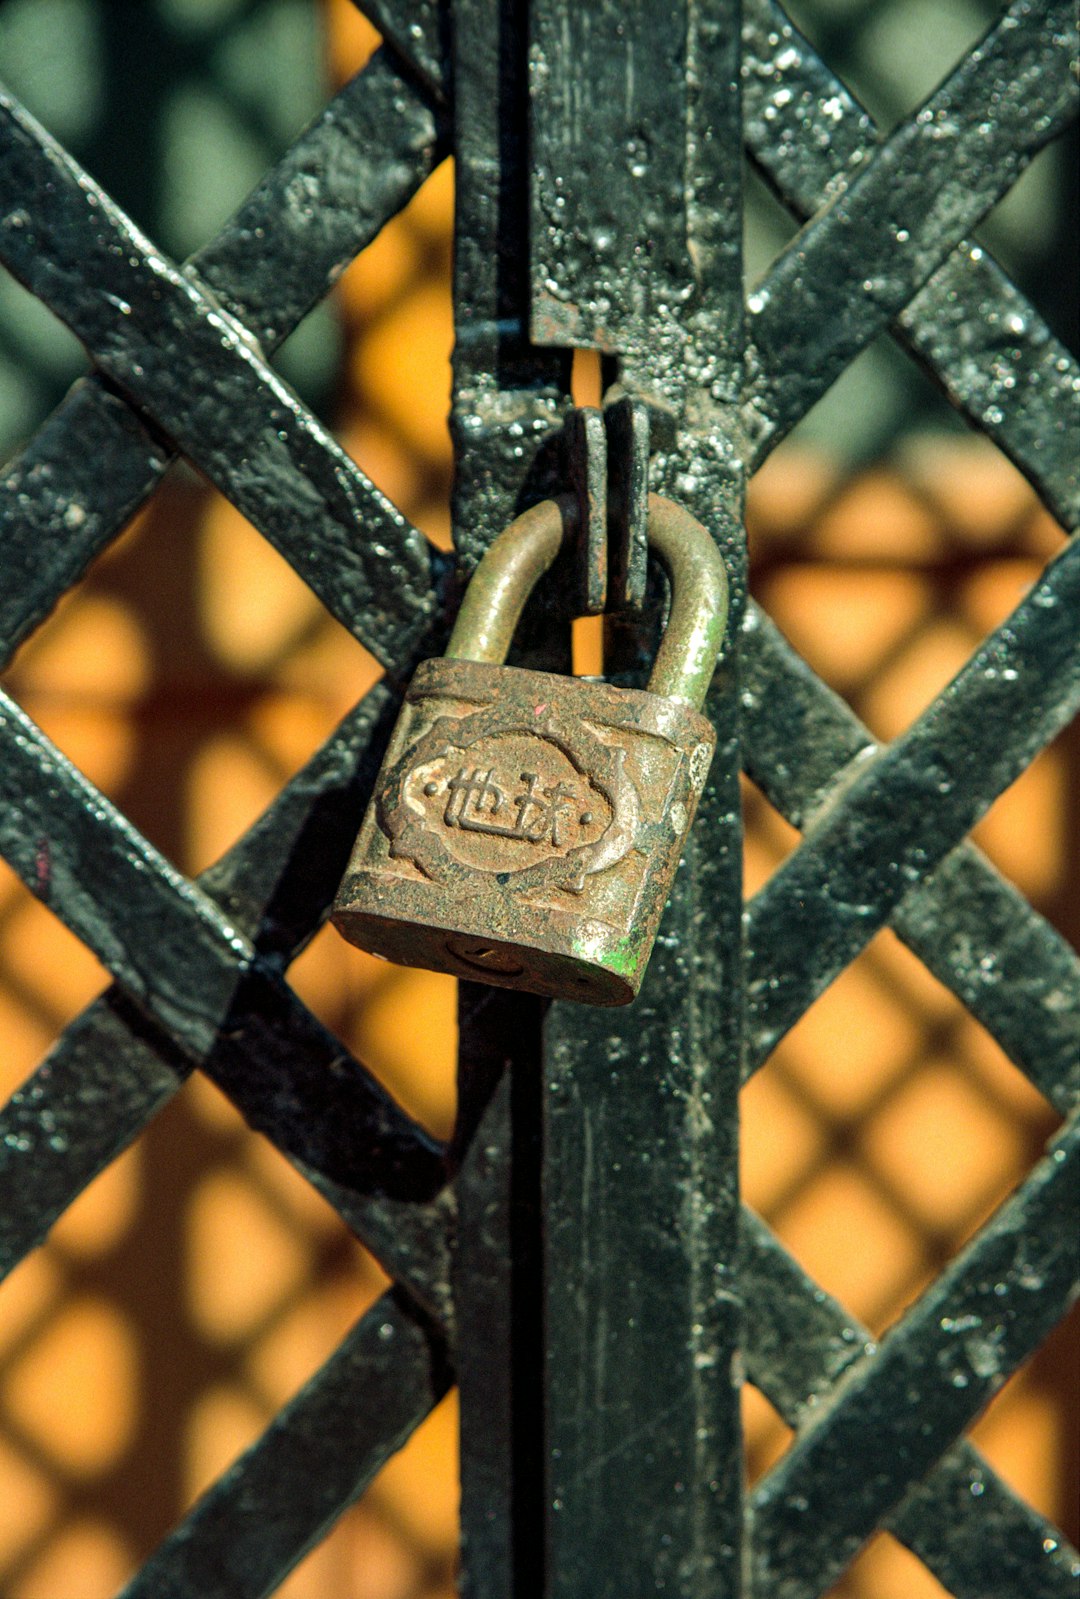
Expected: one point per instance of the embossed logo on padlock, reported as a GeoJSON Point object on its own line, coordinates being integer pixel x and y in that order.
{"type": "Point", "coordinates": [525, 827]}
{"type": "Point", "coordinates": [511, 799]}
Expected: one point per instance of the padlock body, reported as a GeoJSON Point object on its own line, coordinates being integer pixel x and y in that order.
{"type": "Point", "coordinates": [524, 830]}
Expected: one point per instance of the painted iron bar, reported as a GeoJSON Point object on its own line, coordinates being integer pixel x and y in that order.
{"type": "Point", "coordinates": [321, 1451]}
{"type": "Point", "coordinates": [860, 260]}
{"type": "Point", "coordinates": [94, 463]}
{"type": "Point", "coordinates": [1016, 974]}
{"type": "Point", "coordinates": [636, 249]}
{"type": "Point", "coordinates": [419, 32]}
{"type": "Point", "coordinates": [962, 1521]}
{"type": "Point", "coordinates": [969, 325]}
{"type": "Point", "coordinates": [151, 329]}
{"type": "Point", "coordinates": [903, 812]}
{"type": "Point", "coordinates": [167, 943]}
{"type": "Point", "coordinates": [897, 1411]}
{"type": "Point", "coordinates": [509, 399]}
{"type": "Point", "coordinates": [1003, 368]}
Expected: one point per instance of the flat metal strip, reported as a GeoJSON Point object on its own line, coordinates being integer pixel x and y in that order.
{"type": "Point", "coordinates": [418, 31]}
{"type": "Point", "coordinates": [509, 401]}
{"type": "Point", "coordinates": [1016, 974]}
{"type": "Point", "coordinates": [962, 1521]}
{"type": "Point", "coordinates": [81, 478]}
{"type": "Point", "coordinates": [856, 265]}
{"type": "Point", "coordinates": [898, 1410]}
{"type": "Point", "coordinates": [90, 467]}
{"type": "Point", "coordinates": [995, 356]}
{"type": "Point", "coordinates": [321, 1451]}
{"type": "Point", "coordinates": [913, 803]}
{"type": "Point", "coordinates": [636, 248]}
{"type": "Point", "coordinates": [1003, 367]}
{"type": "Point", "coordinates": [978, 1537]}
{"type": "Point", "coordinates": [353, 168]}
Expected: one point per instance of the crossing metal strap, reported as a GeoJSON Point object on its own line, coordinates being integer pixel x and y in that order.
{"type": "Point", "coordinates": [261, 1518]}
{"type": "Point", "coordinates": [900, 213]}
{"type": "Point", "coordinates": [180, 357]}
{"type": "Point", "coordinates": [87, 471]}
{"type": "Point", "coordinates": [905, 809]}
{"type": "Point", "coordinates": [980, 338]}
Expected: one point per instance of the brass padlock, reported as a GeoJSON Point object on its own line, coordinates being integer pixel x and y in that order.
{"type": "Point", "coordinates": [525, 828]}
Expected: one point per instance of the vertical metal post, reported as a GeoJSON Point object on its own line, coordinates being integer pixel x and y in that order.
{"type": "Point", "coordinates": [508, 399]}
{"type": "Point", "coordinates": [636, 250]}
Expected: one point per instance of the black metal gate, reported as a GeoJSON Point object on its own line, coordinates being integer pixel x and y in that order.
{"type": "Point", "coordinates": [577, 1259]}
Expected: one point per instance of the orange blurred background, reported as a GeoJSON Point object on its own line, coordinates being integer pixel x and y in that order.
{"type": "Point", "coordinates": [199, 1281]}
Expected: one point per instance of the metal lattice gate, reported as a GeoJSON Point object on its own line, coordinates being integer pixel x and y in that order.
{"type": "Point", "coordinates": [598, 160]}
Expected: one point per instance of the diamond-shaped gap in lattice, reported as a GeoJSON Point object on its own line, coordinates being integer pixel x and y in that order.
{"type": "Point", "coordinates": [191, 673]}
{"type": "Point", "coordinates": [1030, 233]}
{"type": "Point", "coordinates": [880, 398]}
{"type": "Point", "coordinates": [1029, 1429]}
{"type": "Point", "coordinates": [1027, 833]}
{"type": "Point", "coordinates": [768, 226]}
{"type": "Point", "coordinates": [178, 1304]}
{"type": "Point", "coordinates": [884, 1569]}
{"type": "Point", "coordinates": [768, 839]}
{"type": "Point", "coordinates": [400, 1021]}
{"type": "Point", "coordinates": [886, 1128]}
{"type": "Point", "coordinates": [892, 55]}
{"type": "Point", "coordinates": [765, 1434]}
{"type": "Point", "coordinates": [39, 360]}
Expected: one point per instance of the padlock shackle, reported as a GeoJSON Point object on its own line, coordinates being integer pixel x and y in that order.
{"type": "Point", "coordinates": [516, 561]}
{"type": "Point", "coordinates": [509, 570]}
{"type": "Point", "coordinates": [691, 642]}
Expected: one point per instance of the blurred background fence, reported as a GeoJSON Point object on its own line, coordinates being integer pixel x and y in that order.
{"type": "Point", "coordinates": [199, 1281]}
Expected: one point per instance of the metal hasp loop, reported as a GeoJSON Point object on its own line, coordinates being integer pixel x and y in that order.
{"type": "Point", "coordinates": [519, 557]}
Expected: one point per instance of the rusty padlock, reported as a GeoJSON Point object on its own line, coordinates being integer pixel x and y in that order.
{"type": "Point", "coordinates": [525, 828]}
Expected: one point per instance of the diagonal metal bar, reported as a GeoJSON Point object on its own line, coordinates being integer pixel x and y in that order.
{"type": "Point", "coordinates": [897, 1411]}
{"type": "Point", "coordinates": [418, 31]}
{"type": "Point", "coordinates": [862, 258]}
{"type": "Point", "coordinates": [1006, 370]}
{"type": "Point", "coordinates": [1019, 978]}
{"type": "Point", "coordinates": [151, 328]}
{"type": "Point", "coordinates": [186, 966]}
{"type": "Point", "coordinates": [386, 1376]}
{"type": "Point", "coordinates": [91, 466]}
{"type": "Point", "coordinates": [808, 133]}
{"type": "Point", "coordinates": [908, 807]}
{"type": "Point", "coordinates": [321, 1451]}
{"type": "Point", "coordinates": [994, 355]}
{"type": "Point", "coordinates": [164, 940]}
{"type": "Point", "coordinates": [58, 508]}
{"type": "Point", "coordinates": [359, 162]}
{"type": "Point", "coordinates": [979, 1538]}
{"type": "Point", "coordinates": [962, 1521]}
